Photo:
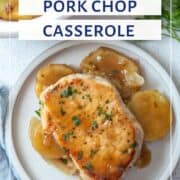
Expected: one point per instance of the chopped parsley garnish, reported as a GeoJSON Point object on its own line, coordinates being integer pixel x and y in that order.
{"type": "Point", "coordinates": [92, 153]}
{"type": "Point", "coordinates": [76, 120]}
{"type": "Point", "coordinates": [41, 103]}
{"type": "Point", "coordinates": [107, 116]}
{"type": "Point", "coordinates": [64, 161]}
{"type": "Point", "coordinates": [67, 136]}
{"type": "Point", "coordinates": [62, 111]}
{"type": "Point", "coordinates": [133, 145]}
{"type": "Point", "coordinates": [94, 125]}
{"type": "Point", "coordinates": [38, 112]}
{"type": "Point", "coordinates": [67, 92]}
{"type": "Point", "coordinates": [100, 110]}
{"type": "Point", "coordinates": [89, 97]}
{"type": "Point", "coordinates": [80, 155]}
{"type": "Point", "coordinates": [104, 113]}
{"type": "Point", "coordinates": [88, 166]}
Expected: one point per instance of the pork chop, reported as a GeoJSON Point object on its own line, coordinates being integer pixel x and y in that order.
{"type": "Point", "coordinates": [88, 118]}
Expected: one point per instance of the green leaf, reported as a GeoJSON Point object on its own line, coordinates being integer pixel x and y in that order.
{"type": "Point", "coordinates": [67, 92]}
{"type": "Point", "coordinates": [170, 18]}
{"type": "Point", "coordinates": [88, 166]}
{"type": "Point", "coordinates": [67, 136]}
{"type": "Point", "coordinates": [94, 125]}
{"type": "Point", "coordinates": [92, 153]}
{"type": "Point", "coordinates": [38, 112]}
{"type": "Point", "coordinates": [76, 120]}
{"type": "Point", "coordinates": [133, 145]}
{"type": "Point", "coordinates": [107, 116]}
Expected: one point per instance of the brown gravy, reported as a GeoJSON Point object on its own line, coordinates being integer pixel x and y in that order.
{"type": "Point", "coordinates": [145, 157]}
{"type": "Point", "coordinates": [123, 72]}
{"type": "Point", "coordinates": [50, 151]}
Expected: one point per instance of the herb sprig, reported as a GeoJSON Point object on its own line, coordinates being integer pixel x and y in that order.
{"type": "Point", "coordinates": [170, 18]}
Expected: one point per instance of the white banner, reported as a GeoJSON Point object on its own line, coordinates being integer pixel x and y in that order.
{"type": "Point", "coordinates": [90, 30]}
{"type": "Point", "coordinates": [90, 7]}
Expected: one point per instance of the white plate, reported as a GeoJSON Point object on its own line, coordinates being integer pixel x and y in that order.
{"type": "Point", "coordinates": [23, 102]}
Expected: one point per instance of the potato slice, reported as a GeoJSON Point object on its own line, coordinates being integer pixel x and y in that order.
{"type": "Point", "coordinates": [46, 146]}
{"type": "Point", "coordinates": [49, 74]}
{"type": "Point", "coordinates": [152, 110]}
{"type": "Point", "coordinates": [48, 149]}
{"type": "Point", "coordinates": [121, 70]}
{"type": "Point", "coordinates": [9, 10]}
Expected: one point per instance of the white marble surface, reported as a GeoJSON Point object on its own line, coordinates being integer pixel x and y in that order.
{"type": "Point", "coordinates": [15, 56]}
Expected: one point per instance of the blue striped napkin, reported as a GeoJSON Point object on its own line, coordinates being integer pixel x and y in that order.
{"type": "Point", "coordinates": [6, 169]}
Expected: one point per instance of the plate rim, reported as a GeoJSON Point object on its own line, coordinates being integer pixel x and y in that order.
{"type": "Point", "coordinates": [53, 50]}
